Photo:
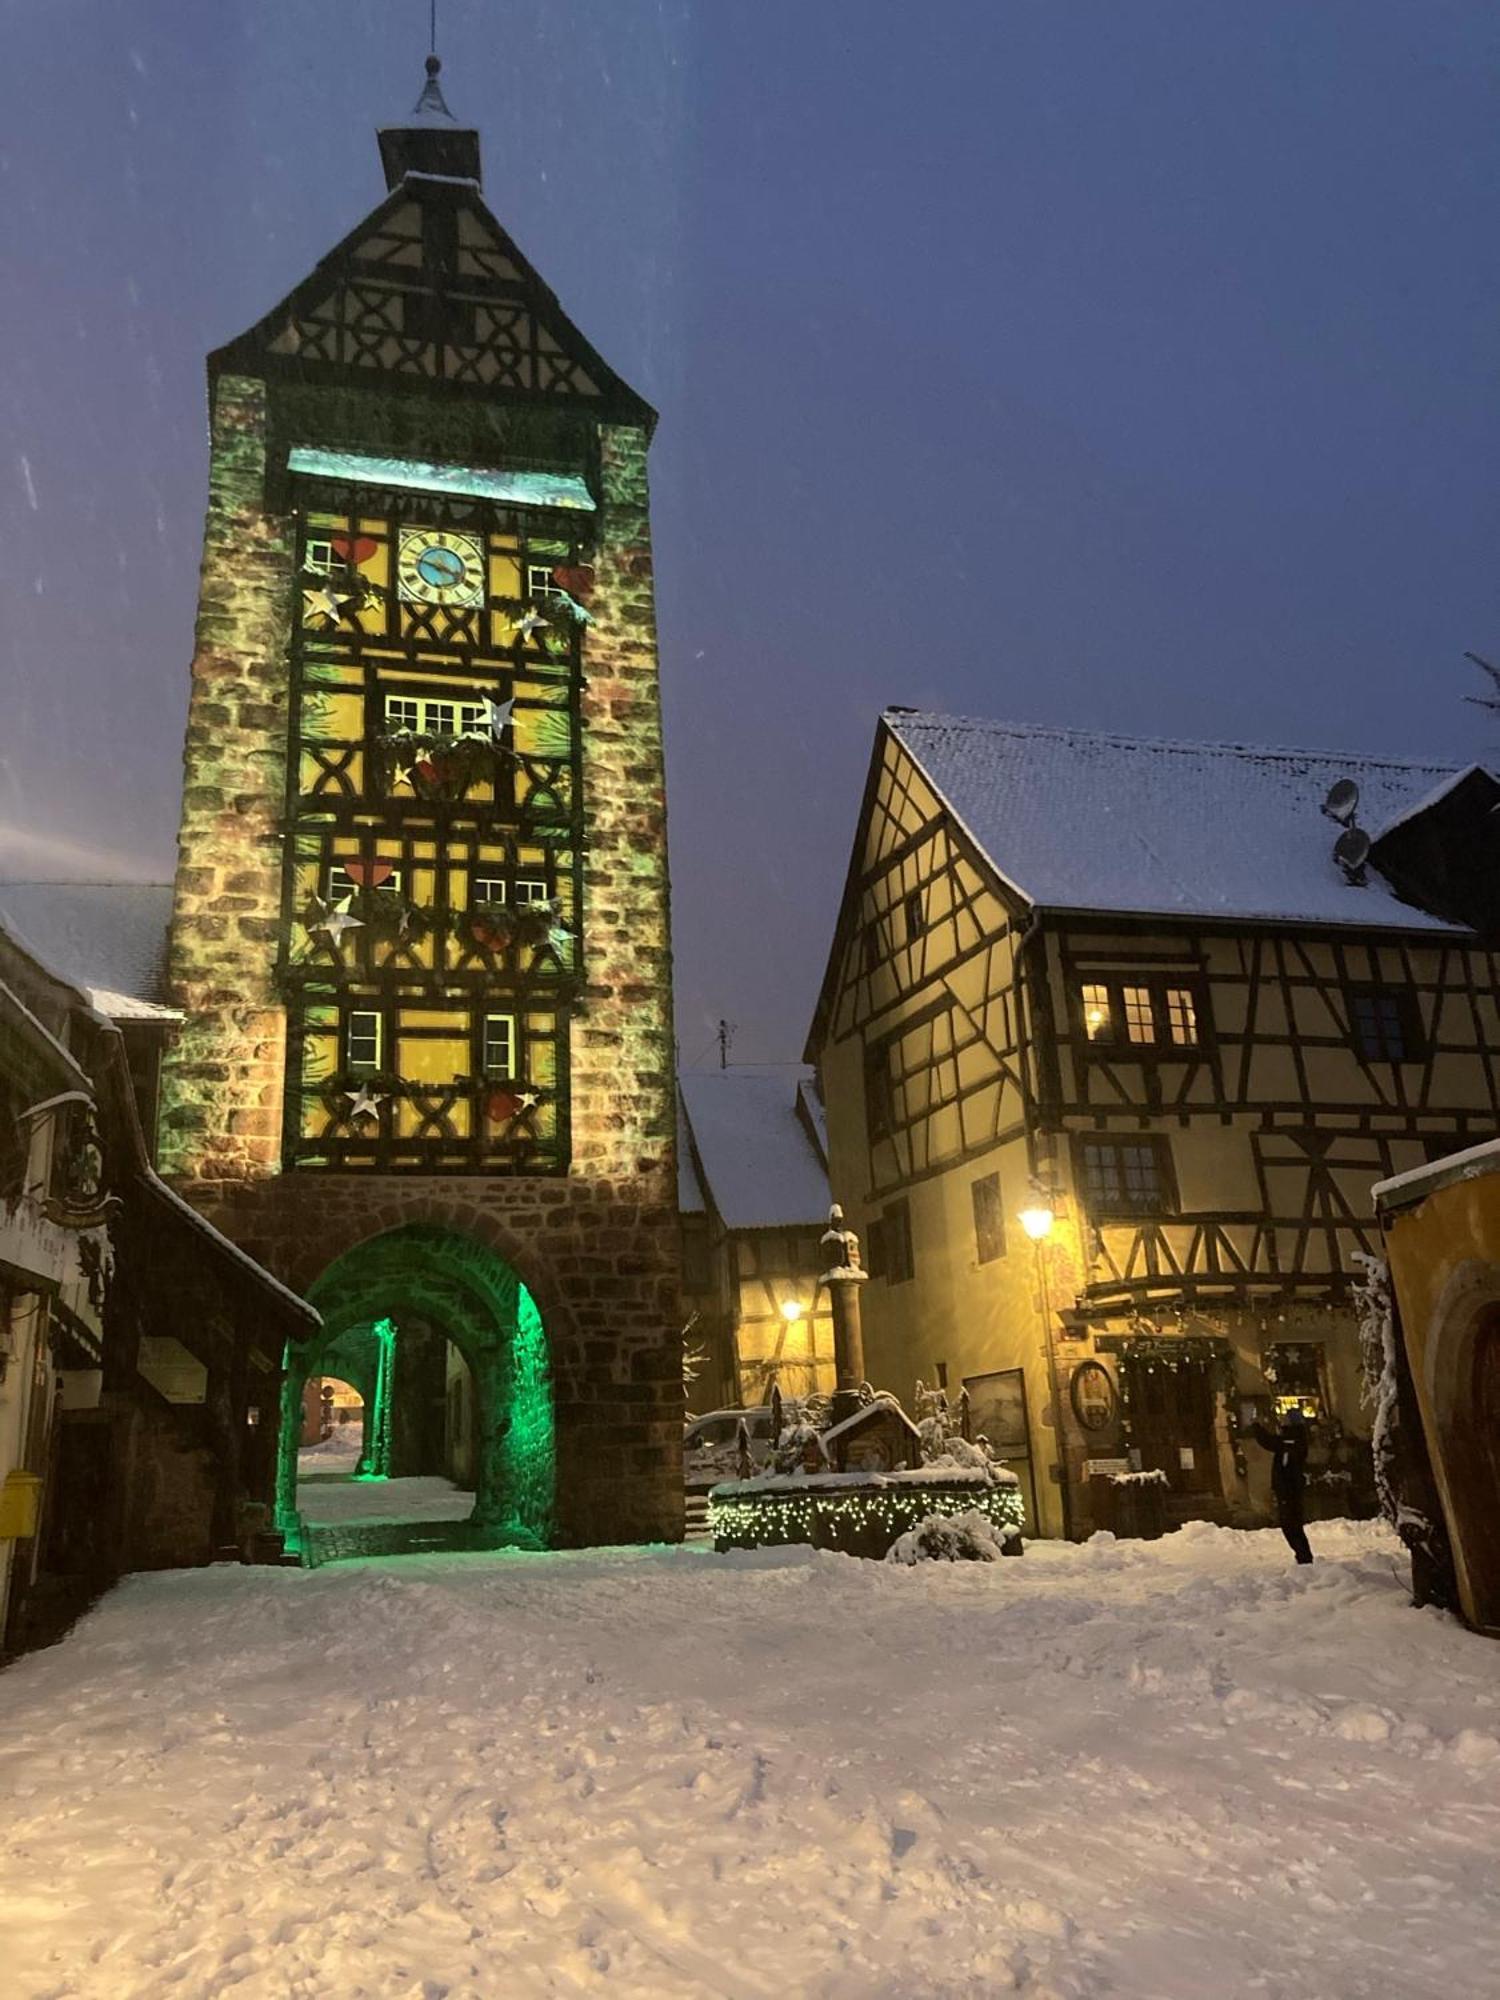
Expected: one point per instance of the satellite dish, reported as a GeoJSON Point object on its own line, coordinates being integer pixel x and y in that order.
{"type": "Point", "coordinates": [1342, 801]}
{"type": "Point", "coordinates": [1351, 850]}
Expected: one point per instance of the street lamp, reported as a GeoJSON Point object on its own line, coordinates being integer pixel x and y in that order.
{"type": "Point", "coordinates": [1038, 1219]}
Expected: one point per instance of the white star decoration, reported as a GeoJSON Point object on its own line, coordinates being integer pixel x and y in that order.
{"type": "Point", "coordinates": [527, 1101]}
{"type": "Point", "coordinates": [324, 602]}
{"type": "Point", "coordinates": [363, 1103]}
{"type": "Point", "coordinates": [335, 921]}
{"type": "Point", "coordinates": [532, 621]}
{"type": "Point", "coordinates": [495, 720]}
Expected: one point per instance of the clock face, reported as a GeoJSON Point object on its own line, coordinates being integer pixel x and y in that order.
{"type": "Point", "coordinates": [436, 566]}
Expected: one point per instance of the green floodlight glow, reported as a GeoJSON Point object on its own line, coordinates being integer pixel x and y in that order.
{"type": "Point", "coordinates": [423, 1274]}
{"type": "Point", "coordinates": [376, 1461]}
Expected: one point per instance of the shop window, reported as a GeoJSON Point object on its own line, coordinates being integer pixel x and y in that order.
{"type": "Point", "coordinates": [1297, 1373]}
{"type": "Point", "coordinates": [989, 1219]}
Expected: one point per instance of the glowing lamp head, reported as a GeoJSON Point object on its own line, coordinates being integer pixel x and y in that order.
{"type": "Point", "coordinates": [1037, 1222]}
{"type": "Point", "coordinates": [790, 1310]}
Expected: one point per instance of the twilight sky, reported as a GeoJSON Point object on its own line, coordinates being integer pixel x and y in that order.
{"type": "Point", "coordinates": [1129, 364]}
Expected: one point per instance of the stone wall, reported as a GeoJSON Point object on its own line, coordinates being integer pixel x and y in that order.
{"type": "Point", "coordinates": [598, 1256]}
{"type": "Point", "coordinates": [598, 1249]}
{"type": "Point", "coordinates": [221, 1084]}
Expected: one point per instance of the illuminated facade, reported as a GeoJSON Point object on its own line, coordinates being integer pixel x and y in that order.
{"type": "Point", "coordinates": [1128, 989]}
{"type": "Point", "coordinates": [420, 930]}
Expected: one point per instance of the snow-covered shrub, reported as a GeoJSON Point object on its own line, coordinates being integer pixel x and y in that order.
{"type": "Point", "coordinates": [970, 1537]}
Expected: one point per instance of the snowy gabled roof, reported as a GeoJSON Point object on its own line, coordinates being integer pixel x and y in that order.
{"type": "Point", "coordinates": [108, 938]}
{"type": "Point", "coordinates": [751, 1153]}
{"type": "Point", "coordinates": [1116, 824]}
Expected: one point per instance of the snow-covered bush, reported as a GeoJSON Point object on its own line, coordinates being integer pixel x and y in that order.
{"type": "Point", "coordinates": [970, 1537]}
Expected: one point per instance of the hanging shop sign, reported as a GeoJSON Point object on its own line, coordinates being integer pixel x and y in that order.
{"type": "Point", "coordinates": [1095, 1399]}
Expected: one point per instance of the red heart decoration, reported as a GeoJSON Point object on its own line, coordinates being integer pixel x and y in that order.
{"type": "Point", "coordinates": [501, 1106]}
{"type": "Point", "coordinates": [353, 549]}
{"type": "Point", "coordinates": [369, 874]}
{"type": "Point", "coordinates": [577, 582]}
{"type": "Point", "coordinates": [491, 935]}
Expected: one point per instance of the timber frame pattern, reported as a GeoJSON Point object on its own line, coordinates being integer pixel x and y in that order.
{"type": "Point", "coordinates": [963, 1004]}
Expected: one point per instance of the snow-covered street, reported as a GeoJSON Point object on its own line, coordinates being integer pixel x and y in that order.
{"type": "Point", "coordinates": [1154, 1770]}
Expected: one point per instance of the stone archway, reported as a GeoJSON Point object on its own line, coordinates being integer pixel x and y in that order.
{"type": "Point", "coordinates": [438, 1278]}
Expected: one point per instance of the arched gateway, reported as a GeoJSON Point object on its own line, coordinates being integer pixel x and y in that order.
{"type": "Point", "coordinates": [388, 1305]}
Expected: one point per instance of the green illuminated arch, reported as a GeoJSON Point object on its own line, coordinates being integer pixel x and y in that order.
{"type": "Point", "coordinates": [459, 1286]}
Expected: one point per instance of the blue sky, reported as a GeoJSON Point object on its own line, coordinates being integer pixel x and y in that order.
{"type": "Point", "coordinates": [1128, 364]}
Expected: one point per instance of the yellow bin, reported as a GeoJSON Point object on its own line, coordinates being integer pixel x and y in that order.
{"type": "Point", "coordinates": [20, 1505]}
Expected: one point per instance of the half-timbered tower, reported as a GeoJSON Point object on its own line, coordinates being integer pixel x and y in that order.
{"type": "Point", "coordinates": [1164, 1000]}
{"type": "Point", "coordinates": [420, 929]}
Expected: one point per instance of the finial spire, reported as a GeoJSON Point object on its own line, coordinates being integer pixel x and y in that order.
{"type": "Point", "coordinates": [432, 102]}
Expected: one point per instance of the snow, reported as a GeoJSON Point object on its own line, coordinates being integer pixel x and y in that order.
{"type": "Point", "coordinates": [1127, 1771]}
{"type": "Point", "coordinates": [832, 1482]}
{"type": "Point", "coordinates": [324, 1498]}
{"type": "Point", "coordinates": [109, 935]}
{"type": "Point", "coordinates": [1400, 1190]}
{"type": "Point", "coordinates": [526, 489]}
{"type": "Point", "coordinates": [756, 1160]}
{"type": "Point", "coordinates": [1078, 821]}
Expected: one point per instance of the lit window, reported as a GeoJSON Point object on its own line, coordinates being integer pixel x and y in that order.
{"type": "Point", "coordinates": [500, 1044]}
{"type": "Point", "coordinates": [1122, 1177]}
{"type": "Point", "coordinates": [362, 1039]}
{"type": "Point", "coordinates": [1140, 1023]}
{"type": "Point", "coordinates": [341, 883]}
{"type": "Point", "coordinates": [1097, 1022]}
{"type": "Point", "coordinates": [433, 718]}
{"type": "Point", "coordinates": [1182, 1017]}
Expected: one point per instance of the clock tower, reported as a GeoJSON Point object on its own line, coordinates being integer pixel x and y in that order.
{"type": "Point", "coordinates": [420, 932]}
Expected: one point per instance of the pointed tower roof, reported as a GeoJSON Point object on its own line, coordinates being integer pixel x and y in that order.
{"type": "Point", "coordinates": [431, 141]}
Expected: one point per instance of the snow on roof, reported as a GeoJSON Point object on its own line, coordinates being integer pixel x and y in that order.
{"type": "Point", "coordinates": [759, 1167]}
{"type": "Point", "coordinates": [108, 938]}
{"type": "Point", "coordinates": [527, 489]}
{"type": "Point", "coordinates": [293, 1300]}
{"type": "Point", "coordinates": [690, 1199]}
{"type": "Point", "coordinates": [1404, 1190]}
{"type": "Point", "coordinates": [1079, 821]}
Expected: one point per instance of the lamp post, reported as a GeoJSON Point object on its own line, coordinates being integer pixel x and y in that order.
{"type": "Point", "coordinates": [1038, 1219]}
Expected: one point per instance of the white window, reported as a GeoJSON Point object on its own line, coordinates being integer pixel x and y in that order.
{"type": "Point", "coordinates": [500, 1044]}
{"type": "Point", "coordinates": [540, 581]}
{"type": "Point", "coordinates": [319, 557]}
{"type": "Point", "coordinates": [530, 890]}
{"type": "Point", "coordinates": [432, 718]}
{"type": "Point", "coordinates": [489, 889]}
{"type": "Point", "coordinates": [362, 1040]}
{"type": "Point", "coordinates": [341, 883]}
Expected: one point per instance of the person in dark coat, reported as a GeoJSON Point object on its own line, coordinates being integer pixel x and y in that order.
{"type": "Point", "coordinates": [1288, 1448]}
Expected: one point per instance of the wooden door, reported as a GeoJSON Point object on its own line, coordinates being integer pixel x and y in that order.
{"type": "Point", "coordinates": [1172, 1410]}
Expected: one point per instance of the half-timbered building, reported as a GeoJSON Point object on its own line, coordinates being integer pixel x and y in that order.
{"type": "Point", "coordinates": [1115, 1037]}
{"type": "Point", "coordinates": [753, 1201]}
